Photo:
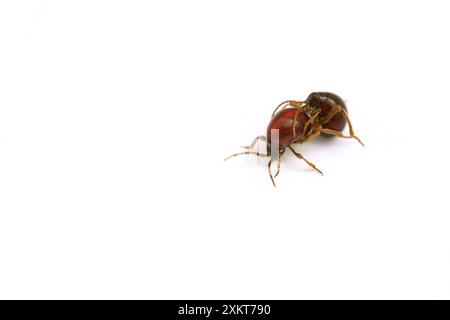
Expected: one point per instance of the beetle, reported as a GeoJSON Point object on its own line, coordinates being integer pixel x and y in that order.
{"type": "Point", "coordinates": [296, 122]}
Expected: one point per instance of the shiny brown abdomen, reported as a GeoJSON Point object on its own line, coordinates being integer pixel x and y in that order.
{"type": "Point", "coordinates": [283, 121]}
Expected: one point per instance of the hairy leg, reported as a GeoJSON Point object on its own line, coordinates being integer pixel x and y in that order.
{"type": "Point", "coordinates": [284, 104]}
{"type": "Point", "coordinates": [262, 138]}
{"type": "Point", "coordinates": [300, 156]}
{"type": "Point", "coordinates": [350, 127]}
{"type": "Point", "coordinates": [246, 153]}
{"type": "Point", "coordinates": [280, 154]}
{"type": "Point", "coordinates": [270, 173]}
{"type": "Point", "coordinates": [339, 109]}
{"type": "Point", "coordinates": [340, 134]}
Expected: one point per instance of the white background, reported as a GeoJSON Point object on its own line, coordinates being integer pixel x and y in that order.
{"type": "Point", "coordinates": [115, 118]}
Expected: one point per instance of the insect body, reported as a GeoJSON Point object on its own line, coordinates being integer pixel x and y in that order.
{"type": "Point", "coordinates": [322, 113]}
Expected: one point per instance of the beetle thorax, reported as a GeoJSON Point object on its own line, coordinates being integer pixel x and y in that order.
{"type": "Point", "coordinates": [311, 111]}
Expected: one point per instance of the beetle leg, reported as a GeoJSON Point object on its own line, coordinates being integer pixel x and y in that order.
{"type": "Point", "coordinates": [280, 154]}
{"type": "Point", "coordinates": [310, 136]}
{"type": "Point", "coordinates": [332, 113]}
{"type": "Point", "coordinates": [285, 104]}
{"type": "Point", "coordinates": [269, 166]}
{"type": "Point", "coordinates": [310, 122]}
{"type": "Point", "coordinates": [270, 173]}
{"type": "Point", "coordinates": [295, 122]}
{"type": "Point", "coordinates": [350, 127]}
{"type": "Point", "coordinates": [246, 152]}
{"type": "Point", "coordinates": [340, 134]}
{"type": "Point", "coordinates": [262, 138]}
{"type": "Point", "coordinates": [336, 109]}
{"type": "Point", "coordinates": [300, 156]}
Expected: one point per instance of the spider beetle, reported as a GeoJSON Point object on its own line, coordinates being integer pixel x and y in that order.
{"type": "Point", "coordinates": [322, 113]}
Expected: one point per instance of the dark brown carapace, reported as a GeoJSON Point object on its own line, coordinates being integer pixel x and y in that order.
{"type": "Point", "coordinates": [295, 122]}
